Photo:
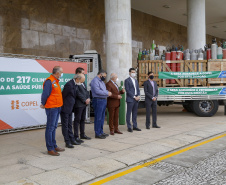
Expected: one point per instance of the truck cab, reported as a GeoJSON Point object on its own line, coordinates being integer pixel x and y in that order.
{"type": "Point", "coordinates": [93, 59]}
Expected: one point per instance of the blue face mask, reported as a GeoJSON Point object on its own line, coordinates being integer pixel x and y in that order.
{"type": "Point", "coordinates": [62, 74]}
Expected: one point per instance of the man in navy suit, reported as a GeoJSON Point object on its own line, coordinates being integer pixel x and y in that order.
{"type": "Point", "coordinates": [132, 99]}
{"type": "Point", "coordinates": [151, 95]}
{"type": "Point", "coordinates": [69, 98]}
{"type": "Point", "coordinates": [82, 100]}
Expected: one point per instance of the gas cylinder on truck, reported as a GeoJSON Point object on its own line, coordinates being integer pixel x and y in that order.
{"type": "Point", "coordinates": [219, 51]}
{"type": "Point", "coordinates": [214, 49]}
{"type": "Point", "coordinates": [140, 54]}
{"type": "Point", "coordinates": [224, 50]}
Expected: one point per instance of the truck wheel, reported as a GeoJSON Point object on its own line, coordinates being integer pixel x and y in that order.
{"type": "Point", "coordinates": [205, 108]}
{"type": "Point", "coordinates": [188, 106]}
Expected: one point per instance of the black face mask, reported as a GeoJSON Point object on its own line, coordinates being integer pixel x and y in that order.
{"type": "Point", "coordinates": [151, 77]}
{"type": "Point", "coordinates": [102, 78]}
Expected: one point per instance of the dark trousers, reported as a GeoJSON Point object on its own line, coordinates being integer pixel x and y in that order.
{"type": "Point", "coordinates": [66, 121]}
{"type": "Point", "coordinates": [51, 126]}
{"type": "Point", "coordinates": [79, 121]}
{"type": "Point", "coordinates": [132, 108]}
{"type": "Point", "coordinates": [99, 106]}
{"type": "Point", "coordinates": [151, 106]}
{"type": "Point", "coordinates": [113, 118]}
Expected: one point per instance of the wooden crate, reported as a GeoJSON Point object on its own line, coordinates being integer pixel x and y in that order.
{"type": "Point", "coordinates": [166, 68]}
{"type": "Point", "coordinates": [216, 65]}
{"type": "Point", "coordinates": [149, 65]}
{"type": "Point", "coordinates": [195, 66]}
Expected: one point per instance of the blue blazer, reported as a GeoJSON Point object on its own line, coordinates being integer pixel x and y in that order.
{"type": "Point", "coordinates": [130, 90]}
{"type": "Point", "coordinates": [148, 90]}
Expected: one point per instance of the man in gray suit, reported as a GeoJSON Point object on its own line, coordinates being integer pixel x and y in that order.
{"type": "Point", "coordinates": [151, 95]}
{"type": "Point", "coordinates": [132, 99]}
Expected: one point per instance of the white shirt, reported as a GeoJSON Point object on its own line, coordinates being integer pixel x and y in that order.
{"type": "Point", "coordinates": [83, 85]}
{"type": "Point", "coordinates": [115, 84]}
{"type": "Point", "coordinates": [134, 84]}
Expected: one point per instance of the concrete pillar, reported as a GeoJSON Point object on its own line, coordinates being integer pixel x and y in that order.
{"type": "Point", "coordinates": [118, 37]}
{"type": "Point", "coordinates": [196, 12]}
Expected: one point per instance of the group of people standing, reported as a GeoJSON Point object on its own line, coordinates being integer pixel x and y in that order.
{"type": "Point", "coordinates": [74, 98]}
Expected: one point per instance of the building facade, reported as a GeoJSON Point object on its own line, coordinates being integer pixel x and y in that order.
{"type": "Point", "coordinates": [58, 28]}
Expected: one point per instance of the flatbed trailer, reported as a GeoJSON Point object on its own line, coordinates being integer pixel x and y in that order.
{"type": "Point", "coordinates": [201, 105]}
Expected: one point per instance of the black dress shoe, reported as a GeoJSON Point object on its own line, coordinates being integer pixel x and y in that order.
{"type": "Point", "coordinates": [69, 145]}
{"type": "Point", "coordinates": [137, 129]}
{"type": "Point", "coordinates": [79, 140]}
{"type": "Point", "coordinates": [130, 130]}
{"type": "Point", "coordinates": [75, 142]}
{"type": "Point", "coordinates": [106, 135]}
{"type": "Point", "coordinates": [156, 126]}
{"type": "Point", "coordinates": [100, 137]}
{"type": "Point", "coordinates": [148, 127]}
{"type": "Point", "coordinates": [85, 137]}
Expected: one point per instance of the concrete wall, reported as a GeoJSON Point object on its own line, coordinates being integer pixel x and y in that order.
{"type": "Point", "coordinates": [57, 28]}
{"type": "Point", "coordinates": [53, 28]}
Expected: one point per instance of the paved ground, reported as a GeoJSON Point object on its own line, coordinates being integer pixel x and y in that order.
{"type": "Point", "coordinates": [204, 165]}
{"type": "Point", "coordinates": [23, 158]}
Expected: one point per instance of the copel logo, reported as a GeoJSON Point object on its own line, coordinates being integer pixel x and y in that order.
{"type": "Point", "coordinates": [15, 104]}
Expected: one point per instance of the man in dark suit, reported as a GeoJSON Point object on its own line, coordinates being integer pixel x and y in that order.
{"type": "Point", "coordinates": [69, 97]}
{"type": "Point", "coordinates": [113, 103]}
{"type": "Point", "coordinates": [82, 100]}
{"type": "Point", "coordinates": [151, 95]}
{"type": "Point", "coordinates": [132, 99]}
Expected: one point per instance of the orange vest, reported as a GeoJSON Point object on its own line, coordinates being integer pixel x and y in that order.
{"type": "Point", "coordinates": [55, 99]}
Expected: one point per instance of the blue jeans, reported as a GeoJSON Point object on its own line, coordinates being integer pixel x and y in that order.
{"type": "Point", "coordinates": [99, 106]}
{"type": "Point", "coordinates": [51, 125]}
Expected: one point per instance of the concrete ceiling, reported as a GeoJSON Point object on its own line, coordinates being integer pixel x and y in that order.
{"type": "Point", "coordinates": [177, 13]}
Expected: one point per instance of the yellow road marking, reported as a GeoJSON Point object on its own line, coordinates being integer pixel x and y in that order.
{"type": "Point", "coordinates": [154, 161]}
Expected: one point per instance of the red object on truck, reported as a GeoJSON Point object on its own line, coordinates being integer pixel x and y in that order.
{"type": "Point", "coordinates": [173, 66]}
{"type": "Point", "coordinates": [168, 55]}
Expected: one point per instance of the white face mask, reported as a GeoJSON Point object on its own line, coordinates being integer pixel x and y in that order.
{"type": "Point", "coordinates": [62, 74]}
{"type": "Point", "coordinates": [117, 80]}
{"type": "Point", "coordinates": [79, 83]}
{"type": "Point", "coordinates": [133, 74]}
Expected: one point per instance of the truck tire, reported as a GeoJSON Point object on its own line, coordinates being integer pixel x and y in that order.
{"type": "Point", "coordinates": [188, 105]}
{"type": "Point", "coordinates": [205, 108]}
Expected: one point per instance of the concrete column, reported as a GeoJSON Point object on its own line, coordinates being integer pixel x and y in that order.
{"type": "Point", "coordinates": [196, 23]}
{"type": "Point", "coordinates": [118, 37]}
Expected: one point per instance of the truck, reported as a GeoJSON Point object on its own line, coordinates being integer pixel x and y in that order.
{"type": "Point", "coordinates": [22, 78]}
{"type": "Point", "coordinates": [203, 105]}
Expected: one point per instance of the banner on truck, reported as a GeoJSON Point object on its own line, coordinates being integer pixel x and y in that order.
{"type": "Point", "coordinates": [193, 91]}
{"type": "Point", "coordinates": [21, 83]}
{"type": "Point", "coordinates": [192, 75]}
